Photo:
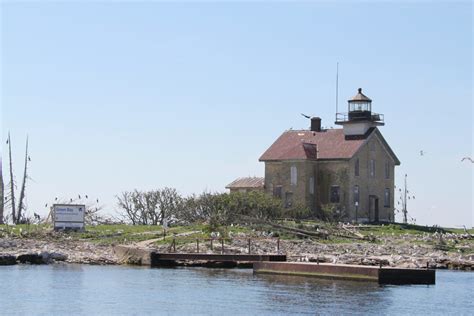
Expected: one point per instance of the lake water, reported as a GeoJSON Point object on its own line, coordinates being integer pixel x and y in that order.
{"type": "Point", "coordinates": [120, 290]}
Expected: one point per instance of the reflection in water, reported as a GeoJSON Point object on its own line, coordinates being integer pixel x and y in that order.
{"type": "Point", "coordinates": [118, 290]}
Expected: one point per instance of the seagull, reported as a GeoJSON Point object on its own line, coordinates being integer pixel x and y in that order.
{"type": "Point", "coordinates": [97, 200]}
{"type": "Point", "coordinates": [7, 141]}
{"type": "Point", "coordinates": [29, 158]}
{"type": "Point", "coordinates": [56, 199]}
{"type": "Point", "coordinates": [79, 196]}
{"type": "Point", "coordinates": [422, 152]}
{"type": "Point", "coordinates": [46, 205]}
{"type": "Point", "coordinates": [71, 200]}
{"type": "Point", "coordinates": [467, 158]}
{"type": "Point", "coordinates": [307, 116]}
{"type": "Point", "coordinates": [87, 196]}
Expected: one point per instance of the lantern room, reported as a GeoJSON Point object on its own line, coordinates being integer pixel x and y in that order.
{"type": "Point", "coordinates": [359, 117]}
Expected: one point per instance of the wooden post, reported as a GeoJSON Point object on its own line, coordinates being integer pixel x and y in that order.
{"type": "Point", "coordinates": [197, 245]}
{"type": "Point", "coordinates": [212, 239]}
{"type": "Point", "coordinates": [174, 245]}
{"type": "Point", "coordinates": [249, 245]}
{"type": "Point", "coordinates": [222, 245]}
{"type": "Point", "coordinates": [278, 245]}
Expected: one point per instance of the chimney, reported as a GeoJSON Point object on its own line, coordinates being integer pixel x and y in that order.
{"type": "Point", "coordinates": [315, 124]}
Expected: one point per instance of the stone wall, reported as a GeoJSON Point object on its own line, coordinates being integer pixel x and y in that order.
{"type": "Point", "coordinates": [369, 185]}
{"type": "Point", "coordinates": [279, 174]}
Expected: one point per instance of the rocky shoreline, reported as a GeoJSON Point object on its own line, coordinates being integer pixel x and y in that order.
{"type": "Point", "coordinates": [400, 251]}
{"type": "Point", "coordinates": [32, 251]}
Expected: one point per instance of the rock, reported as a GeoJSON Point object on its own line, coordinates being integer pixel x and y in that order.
{"type": "Point", "coordinates": [7, 260]}
{"type": "Point", "coordinates": [33, 258]}
{"type": "Point", "coordinates": [56, 256]}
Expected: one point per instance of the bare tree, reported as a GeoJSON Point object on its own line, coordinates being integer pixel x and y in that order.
{"type": "Point", "coordinates": [169, 202]}
{"type": "Point", "coordinates": [12, 181]}
{"type": "Point", "coordinates": [21, 205]}
{"type": "Point", "coordinates": [2, 194]}
{"type": "Point", "coordinates": [130, 212]}
{"type": "Point", "coordinates": [150, 207]}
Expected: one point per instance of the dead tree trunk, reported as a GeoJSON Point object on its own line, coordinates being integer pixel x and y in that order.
{"type": "Point", "coordinates": [12, 181]}
{"type": "Point", "coordinates": [2, 194]}
{"type": "Point", "coordinates": [21, 204]}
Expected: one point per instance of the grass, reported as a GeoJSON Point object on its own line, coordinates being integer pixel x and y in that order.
{"type": "Point", "coordinates": [122, 234]}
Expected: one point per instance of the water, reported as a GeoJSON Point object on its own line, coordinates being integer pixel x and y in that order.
{"type": "Point", "coordinates": [119, 290]}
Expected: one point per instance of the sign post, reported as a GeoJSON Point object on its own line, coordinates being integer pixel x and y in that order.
{"type": "Point", "coordinates": [69, 216]}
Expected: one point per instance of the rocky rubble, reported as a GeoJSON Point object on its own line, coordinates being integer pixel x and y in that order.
{"type": "Point", "coordinates": [32, 251]}
{"type": "Point", "coordinates": [440, 251]}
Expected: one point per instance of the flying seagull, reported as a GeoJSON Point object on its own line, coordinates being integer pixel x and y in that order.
{"type": "Point", "coordinates": [422, 152]}
{"type": "Point", "coordinates": [467, 158]}
{"type": "Point", "coordinates": [307, 116]}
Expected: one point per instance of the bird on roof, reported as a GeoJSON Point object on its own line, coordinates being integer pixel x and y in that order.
{"type": "Point", "coordinates": [467, 158]}
{"type": "Point", "coordinates": [307, 116]}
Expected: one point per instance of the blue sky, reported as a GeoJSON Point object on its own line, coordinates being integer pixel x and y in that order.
{"type": "Point", "coordinates": [118, 96]}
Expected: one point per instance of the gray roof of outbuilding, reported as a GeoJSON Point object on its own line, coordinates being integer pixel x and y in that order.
{"type": "Point", "coordinates": [249, 182]}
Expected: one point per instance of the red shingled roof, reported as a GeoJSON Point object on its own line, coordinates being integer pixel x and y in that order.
{"type": "Point", "coordinates": [330, 144]}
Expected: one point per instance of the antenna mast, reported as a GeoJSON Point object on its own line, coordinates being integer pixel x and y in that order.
{"type": "Point", "coordinates": [337, 87]}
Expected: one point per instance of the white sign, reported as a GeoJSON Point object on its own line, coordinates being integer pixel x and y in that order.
{"type": "Point", "coordinates": [69, 216]}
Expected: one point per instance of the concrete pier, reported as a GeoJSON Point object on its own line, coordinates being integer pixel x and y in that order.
{"type": "Point", "coordinates": [381, 275]}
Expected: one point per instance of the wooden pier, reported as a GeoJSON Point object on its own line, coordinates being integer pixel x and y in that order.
{"type": "Point", "coordinates": [382, 275]}
{"type": "Point", "coordinates": [166, 259]}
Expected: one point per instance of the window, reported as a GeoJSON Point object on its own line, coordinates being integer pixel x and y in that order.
{"type": "Point", "coordinates": [311, 185]}
{"type": "Point", "coordinates": [386, 198]}
{"type": "Point", "coordinates": [356, 194]}
{"type": "Point", "coordinates": [334, 198]}
{"type": "Point", "coordinates": [293, 175]}
{"type": "Point", "coordinates": [387, 170]}
{"type": "Point", "coordinates": [372, 168]}
{"type": "Point", "coordinates": [356, 167]}
{"type": "Point", "coordinates": [288, 199]}
{"type": "Point", "coordinates": [277, 191]}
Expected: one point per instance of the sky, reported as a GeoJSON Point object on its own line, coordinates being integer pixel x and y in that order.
{"type": "Point", "coordinates": [119, 96]}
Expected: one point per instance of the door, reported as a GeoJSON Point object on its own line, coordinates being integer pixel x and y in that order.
{"type": "Point", "coordinates": [373, 208]}
{"type": "Point", "coordinates": [376, 209]}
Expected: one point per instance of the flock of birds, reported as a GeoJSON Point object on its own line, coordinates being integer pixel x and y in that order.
{"type": "Point", "coordinates": [72, 200]}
